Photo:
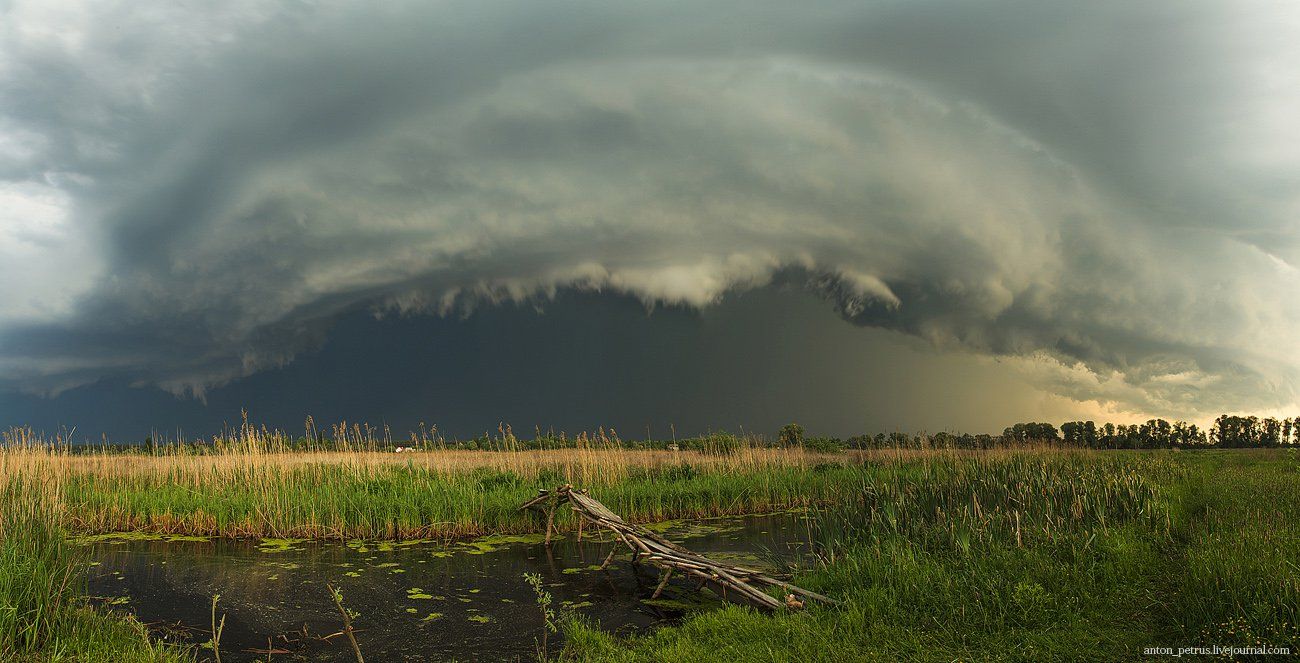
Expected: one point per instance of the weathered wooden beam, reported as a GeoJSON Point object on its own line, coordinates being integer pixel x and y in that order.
{"type": "Point", "coordinates": [668, 573]}
{"type": "Point", "coordinates": [541, 497]}
{"type": "Point", "coordinates": [731, 582]}
{"type": "Point", "coordinates": [797, 590]}
{"type": "Point", "coordinates": [550, 522]}
{"type": "Point", "coordinates": [608, 559]}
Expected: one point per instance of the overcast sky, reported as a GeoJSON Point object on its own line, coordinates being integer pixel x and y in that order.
{"type": "Point", "coordinates": [708, 213]}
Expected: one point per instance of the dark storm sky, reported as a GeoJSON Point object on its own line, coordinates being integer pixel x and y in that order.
{"type": "Point", "coordinates": [863, 215]}
{"type": "Point", "coordinates": [583, 362]}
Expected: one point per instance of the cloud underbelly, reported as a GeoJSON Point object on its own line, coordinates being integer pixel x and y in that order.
{"type": "Point", "coordinates": [672, 178]}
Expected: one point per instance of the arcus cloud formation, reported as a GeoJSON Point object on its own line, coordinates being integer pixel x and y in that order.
{"type": "Point", "coordinates": [1105, 194]}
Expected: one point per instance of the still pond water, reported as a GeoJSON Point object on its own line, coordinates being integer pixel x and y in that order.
{"type": "Point", "coordinates": [417, 601]}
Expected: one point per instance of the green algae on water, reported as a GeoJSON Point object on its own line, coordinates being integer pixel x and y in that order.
{"type": "Point", "coordinates": [488, 544]}
{"type": "Point", "coordinates": [279, 545]}
{"type": "Point", "coordinates": [365, 546]}
{"type": "Point", "coordinates": [581, 569]}
{"type": "Point", "coordinates": [124, 537]}
{"type": "Point", "coordinates": [390, 546]}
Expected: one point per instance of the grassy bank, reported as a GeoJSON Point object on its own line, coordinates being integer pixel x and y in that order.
{"type": "Point", "coordinates": [1031, 558]}
{"type": "Point", "coordinates": [43, 614]}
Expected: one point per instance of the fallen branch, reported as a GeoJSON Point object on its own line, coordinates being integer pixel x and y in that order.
{"type": "Point", "coordinates": [733, 583]}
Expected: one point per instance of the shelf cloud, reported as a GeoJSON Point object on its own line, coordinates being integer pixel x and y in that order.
{"type": "Point", "coordinates": [1104, 195]}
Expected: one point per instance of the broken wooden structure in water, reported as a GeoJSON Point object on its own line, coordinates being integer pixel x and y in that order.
{"type": "Point", "coordinates": [733, 583]}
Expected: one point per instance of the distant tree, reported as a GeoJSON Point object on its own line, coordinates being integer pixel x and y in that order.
{"type": "Point", "coordinates": [1072, 433]}
{"type": "Point", "coordinates": [1219, 432]}
{"type": "Point", "coordinates": [791, 435]}
{"type": "Point", "coordinates": [861, 442]}
{"type": "Point", "coordinates": [1133, 436]}
{"type": "Point", "coordinates": [1233, 432]}
{"type": "Point", "coordinates": [1123, 439]}
{"type": "Point", "coordinates": [1270, 432]}
{"type": "Point", "coordinates": [1187, 435]}
{"type": "Point", "coordinates": [1155, 434]}
{"type": "Point", "coordinates": [1080, 433]}
{"type": "Point", "coordinates": [1090, 434]}
{"type": "Point", "coordinates": [1031, 432]}
{"type": "Point", "coordinates": [899, 440]}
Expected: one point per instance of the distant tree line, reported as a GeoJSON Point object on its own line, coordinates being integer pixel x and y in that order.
{"type": "Point", "coordinates": [1227, 432]}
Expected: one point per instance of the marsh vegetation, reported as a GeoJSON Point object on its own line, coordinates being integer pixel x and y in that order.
{"type": "Point", "coordinates": [1036, 553]}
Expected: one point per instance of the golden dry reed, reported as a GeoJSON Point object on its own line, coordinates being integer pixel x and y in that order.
{"type": "Point", "coordinates": [252, 482]}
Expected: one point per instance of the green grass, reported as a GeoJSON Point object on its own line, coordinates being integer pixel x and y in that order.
{"type": "Point", "coordinates": [399, 501]}
{"type": "Point", "coordinates": [1237, 543]}
{"type": "Point", "coordinates": [1115, 553]}
{"type": "Point", "coordinates": [43, 615]}
{"type": "Point", "coordinates": [1017, 556]}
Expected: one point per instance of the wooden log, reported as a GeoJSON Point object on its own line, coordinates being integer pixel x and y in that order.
{"type": "Point", "coordinates": [668, 573]}
{"type": "Point", "coordinates": [758, 596]}
{"type": "Point", "coordinates": [797, 590]}
{"type": "Point", "coordinates": [608, 559]}
{"type": "Point", "coordinates": [731, 582]}
{"type": "Point", "coordinates": [592, 506]}
{"type": "Point", "coordinates": [545, 495]}
{"type": "Point", "coordinates": [550, 522]}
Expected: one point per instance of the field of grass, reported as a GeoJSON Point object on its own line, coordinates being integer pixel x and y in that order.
{"type": "Point", "coordinates": [1000, 555]}
{"type": "Point", "coordinates": [1031, 558]}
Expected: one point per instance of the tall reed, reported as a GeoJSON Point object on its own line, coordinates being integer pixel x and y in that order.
{"type": "Point", "coordinates": [251, 485]}
{"type": "Point", "coordinates": [43, 613]}
{"type": "Point", "coordinates": [39, 572]}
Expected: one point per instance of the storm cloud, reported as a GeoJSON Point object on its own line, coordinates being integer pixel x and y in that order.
{"type": "Point", "coordinates": [1105, 195]}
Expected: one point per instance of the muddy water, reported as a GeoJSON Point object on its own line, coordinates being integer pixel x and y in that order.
{"type": "Point", "coordinates": [417, 601]}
